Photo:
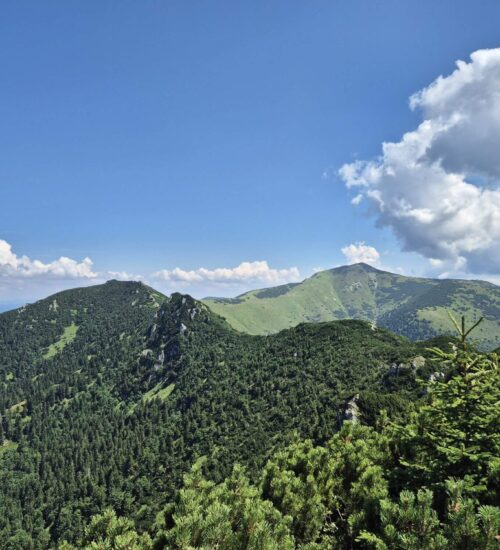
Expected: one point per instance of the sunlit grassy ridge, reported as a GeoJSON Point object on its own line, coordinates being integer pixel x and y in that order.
{"type": "Point", "coordinates": [414, 307]}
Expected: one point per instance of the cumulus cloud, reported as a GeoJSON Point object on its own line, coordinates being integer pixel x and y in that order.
{"type": "Point", "coordinates": [15, 267]}
{"type": "Point", "coordinates": [124, 276]}
{"type": "Point", "coordinates": [361, 252]}
{"type": "Point", "coordinates": [439, 187]}
{"type": "Point", "coordinates": [246, 272]}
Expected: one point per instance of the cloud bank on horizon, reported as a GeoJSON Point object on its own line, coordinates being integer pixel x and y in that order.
{"type": "Point", "coordinates": [438, 188]}
{"type": "Point", "coordinates": [258, 271]}
{"type": "Point", "coordinates": [17, 273]}
{"type": "Point", "coordinates": [15, 267]}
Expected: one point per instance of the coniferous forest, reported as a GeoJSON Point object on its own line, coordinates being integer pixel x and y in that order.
{"type": "Point", "coordinates": [130, 420]}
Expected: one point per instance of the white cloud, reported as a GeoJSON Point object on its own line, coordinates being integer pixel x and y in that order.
{"type": "Point", "coordinates": [15, 267]}
{"type": "Point", "coordinates": [124, 276]}
{"type": "Point", "coordinates": [361, 252]}
{"type": "Point", "coordinates": [357, 199]}
{"type": "Point", "coordinates": [439, 187]}
{"type": "Point", "coordinates": [245, 272]}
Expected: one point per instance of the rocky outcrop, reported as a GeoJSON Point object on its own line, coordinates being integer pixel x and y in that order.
{"type": "Point", "coordinates": [396, 369]}
{"type": "Point", "coordinates": [350, 410]}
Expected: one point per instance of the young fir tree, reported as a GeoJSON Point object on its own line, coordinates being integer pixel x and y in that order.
{"type": "Point", "coordinates": [452, 444]}
{"type": "Point", "coordinates": [456, 433]}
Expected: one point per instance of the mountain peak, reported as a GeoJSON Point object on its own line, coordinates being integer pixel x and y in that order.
{"type": "Point", "coordinates": [411, 306]}
{"type": "Point", "coordinates": [180, 312]}
{"type": "Point", "coordinates": [359, 266]}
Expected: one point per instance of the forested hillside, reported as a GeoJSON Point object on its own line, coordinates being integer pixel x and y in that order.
{"type": "Point", "coordinates": [110, 394]}
{"type": "Point", "coordinates": [429, 481]}
{"type": "Point", "coordinates": [411, 306]}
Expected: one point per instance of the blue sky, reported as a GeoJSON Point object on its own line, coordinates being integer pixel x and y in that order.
{"type": "Point", "coordinates": [149, 136]}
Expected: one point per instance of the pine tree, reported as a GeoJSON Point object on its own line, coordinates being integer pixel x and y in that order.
{"type": "Point", "coordinates": [410, 524]}
{"type": "Point", "coordinates": [331, 492]}
{"type": "Point", "coordinates": [106, 531]}
{"type": "Point", "coordinates": [231, 516]}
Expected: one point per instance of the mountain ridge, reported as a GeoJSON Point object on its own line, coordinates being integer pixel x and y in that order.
{"type": "Point", "coordinates": [412, 306]}
{"type": "Point", "coordinates": [415, 307]}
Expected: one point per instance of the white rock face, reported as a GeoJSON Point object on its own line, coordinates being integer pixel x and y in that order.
{"type": "Point", "coordinates": [350, 412]}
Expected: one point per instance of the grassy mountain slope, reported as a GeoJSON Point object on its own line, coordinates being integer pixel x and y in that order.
{"type": "Point", "coordinates": [414, 307]}
{"type": "Point", "coordinates": [111, 392]}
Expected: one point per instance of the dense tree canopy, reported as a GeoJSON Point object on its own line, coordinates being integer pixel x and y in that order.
{"type": "Point", "coordinates": [362, 488]}
{"type": "Point", "coordinates": [111, 393]}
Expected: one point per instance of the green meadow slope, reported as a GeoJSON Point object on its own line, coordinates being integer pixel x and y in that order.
{"type": "Point", "coordinates": [411, 306]}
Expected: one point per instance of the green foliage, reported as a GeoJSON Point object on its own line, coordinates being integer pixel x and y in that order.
{"type": "Point", "coordinates": [332, 492]}
{"type": "Point", "coordinates": [297, 480]}
{"type": "Point", "coordinates": [412, 523]}
{"type": "Point", "coordinates": [409, 524]}
{"type": "Point", "coordinates": [106, 531]}
{"type": "Point", "coordinates": [456, 432]}
{"type": "Point", "coordinates": [231, 515]}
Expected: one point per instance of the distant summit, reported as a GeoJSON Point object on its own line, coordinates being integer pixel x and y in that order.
{"type": "Point", "coordinates": [360, 265]}
{"type": "Point", "coordinates": [412, 306]}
